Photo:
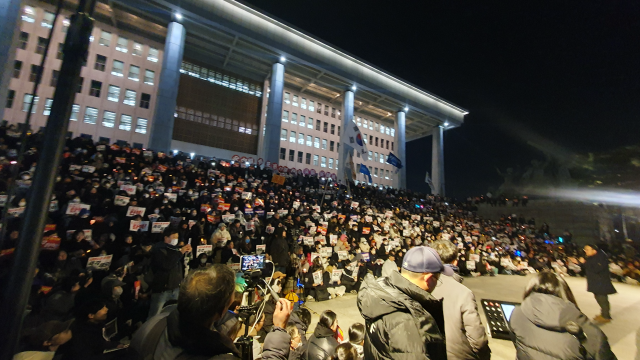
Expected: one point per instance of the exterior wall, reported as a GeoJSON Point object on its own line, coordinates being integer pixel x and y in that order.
{"type": "Point", "coordinates": [29, 57]}
{"type": "Point", "coordinates": [330, 114]}
{"type": "Point", "coordinates": [213, 109]}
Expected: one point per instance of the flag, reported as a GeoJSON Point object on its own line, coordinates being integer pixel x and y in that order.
{"type": "Point", "coordinates": [365, 170]}
{"type": "Point", "coordinates": [351, 168]}
{"type": "Point", "coordinates": [427, 179]}
{"type": "Point", "coordinates": [353, 137]}
{"type": "Point", "coordinates": [393, 160]}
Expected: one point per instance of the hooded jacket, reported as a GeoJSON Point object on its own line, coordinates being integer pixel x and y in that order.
{"type": "Point", "coordinates": [402, 320]}
{"type": "Point", "coordinates": [322, 345]}
{"type": "Point", "coordinates": [539, 329]}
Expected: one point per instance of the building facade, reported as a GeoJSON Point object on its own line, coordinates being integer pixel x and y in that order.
{"type": "Point", "coordinates": [220, 79]}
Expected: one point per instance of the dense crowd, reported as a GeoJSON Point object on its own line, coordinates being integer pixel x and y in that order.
{"type": "Point", "coordinates": [128, 229]}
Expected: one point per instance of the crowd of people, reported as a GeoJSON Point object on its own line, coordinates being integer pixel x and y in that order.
{"type": "Point", "coordinates": [143, 250]}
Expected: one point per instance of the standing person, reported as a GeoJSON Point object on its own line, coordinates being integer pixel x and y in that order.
{"type": "Point", "coordinates": [466, 338]}
{"type": "Point", "coordinates": [166, 267]}
{"type": "Point", "coordinates": [541, 324]}
{"type": "Point", "coordinates": [599, 283]}
{"type": "Point", "coordinates": [402, 318]}
{"type": "Point", "coordinates": [279, 251]}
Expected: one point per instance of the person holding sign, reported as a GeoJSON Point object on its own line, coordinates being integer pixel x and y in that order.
{"type": "Point", "coordinates": [166, 267]}
{"type": "Point", "coordinates": [335, 288]}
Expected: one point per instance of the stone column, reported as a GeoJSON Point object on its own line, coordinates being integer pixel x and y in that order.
{"type": "Point", "coordinates": [437, 160]}
{"type": "Point", "coordinates": [271, 141]}
{"type": "Point", "coordinates": [347, 116]}
{"type": "Point", "coordinates": [162, 126]}
{"type": "Point", "coordinates": [401, 153]}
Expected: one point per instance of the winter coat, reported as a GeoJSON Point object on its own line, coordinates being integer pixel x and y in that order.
{"type": "Point", "coordinates": [322, 345]}
{"type": "Point", "coordinates": [280, 252]}
{"type": "Point", "coordinates": [539, 330]}
{"type": "Point", "coordinates": [166, 265]}
{"type": "Point", "coordinates": [466, 337]}
{"type": "Point", "coordinates": [402, 321]}
{"type": "Point", "coordinates": [199, 343]}
{"type": "Point", "coordinates": [598, 277]}
{"type": "Point", "coordinates": [388, 267]}
{"type": "Point", "coordinates": [219, 237]}
{"type": "Point", "coordinates": [301, 352]}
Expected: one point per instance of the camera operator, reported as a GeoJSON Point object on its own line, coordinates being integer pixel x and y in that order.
{"type": "Point", "coordinates": [187, 330]}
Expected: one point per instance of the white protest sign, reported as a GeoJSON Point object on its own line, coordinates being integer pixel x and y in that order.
{"type": "Point", "coordinates": [261, 249]}
{"type": "Point", "coordinates": [314, 255]}
{"type": "Point", "coordinates": [135, 211]}
{"type": "Point", "coordinates": [121, 200]}
{"type": "Point", "coordinates": [130, 189]}
{"type": "Point", "coordinates": [88, 169]}
{"type": "Point", "coordinates": [436, 224]}
{"type": "Point", "coordinates": [471, 265]}
{"type": "Point", "coordinates": [335, 275]}
{"type": "Point", "coordinates": [139, 225]}
{"type": "Point", "coordinates": [74, 209]}
{"type": "Point", "coordinates": [228, 218]}
{"type": "Point", "coordinates": [474, 257]}
{"type": "Point", "coordinates": [173, 197]}
{"type": "Point", "coordinates": [333, 240]}
{"type": "Point", "coordinates": [308, 240]}
{"type": "Point", "coordinates": [15, 212]}
{"type": "Point", "coordinates": [207, 249]}
{"type": "Point", "coordinates": [159, 226]}
{"type": "Point", "coordinates": [317, 277]}
{"type": "Point", "coordinates": [247, 195]}
{"type": "Point", "coordinates": [321, 239]}
{"type": "Point", "coordinates": [343, 255]}
{"type": "Point", "coordinates": [99, 262]}
{"type": "Point", "coordinates": [326, 251]}
{"type": "Point", "coordinates": [355, 204]}
{"type": "Point", "coordinates": [270, 229]}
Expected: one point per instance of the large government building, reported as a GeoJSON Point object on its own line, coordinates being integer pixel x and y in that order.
{"type": "Point", "coordinates": [218, 78]}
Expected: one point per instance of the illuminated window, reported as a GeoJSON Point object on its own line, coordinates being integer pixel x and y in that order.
{"type": "Point", "coordinates": [324, 144]}
{"type": "Point", "coordinates": [295, 100]}
{"type": "Point", "coordinates": [47, 20]}
{"type": "Point", "coordinates": [330, 163]}
{"type": "Point", "coordinates": [125, 122]}
{"type": "Point", "coordinates": [309, 140]}
{"type": "Point", "coordinates": [285, 116]}
{"type": "Point", "coordinates": [130, 97]}
{"type": "Point", "coordinates": [90, 115]}
{"type": "Point", "coordinates": [105, 38]}
{"type": "Point", "coordinates": [283, 135]}
{"type": "Point", "coordinates": [118, 68]}
{"type": "Point", "coordinates": [315, 160]}
{"type": "Point", "coordinates": [75, 109]}
{"type": "Point", "coordinates": [149, 77]}
{"type": "Point", "coordinates": [323, 162]}
{"type": "Point", "coordinates": [294, 118]}
{"type": "Point", "coordinates": [122, 45]}
{"type": "Point", "coordinates": [141, 126]}
{"type": "Point", "coordinates": [27, 101]}
{"type": "Point", "coordinates": [286, 98]}
{"type": "Point", "coordinates": [109, 119]}
{"type": "Point", "coordinates": [47, 107]}
{"type": "Point", "coordinates": [303, 121]}
{"type": "Point", "coordinates": [28, 14]}
{"type": "Point", "coordinates": [134, 73]}
{"type": "Point", "coordinates": [292, 136]}
{"type": "Point", "coordinates": [114, 93]}
{"type": "Point", "coordinates": [153, 55]}
{"type": "Point", "coordinates": [301, 138]}
{"type": "Point", "coordinates": [303, 103]}
{"type": "Point", "coordinates": [310, 123]}
{"type": "Point", "coordinates": [137, 49]}
{"type": "Point", "coordinates": [311, 106]}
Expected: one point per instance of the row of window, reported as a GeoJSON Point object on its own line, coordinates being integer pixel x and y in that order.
{"type": "Point", "coordinates": [382, 173]}
{"type": "Point", "coordinates": [215, 120]}
{"type": "Point", "coordinates": [369, 140]}
{"type": "Point", "coordinates": [308, 122]}
{"type": "Point", "coordinates": [310, 140]}
{"type": "Point", "coordinates": [303, 103]}
{"type": "Point", "coordinates": [221, 79]}
{"type": "Point", "coordinates": [90, 114]}
{"type": "Point", "coordinates": [323, 161]}
{"type": "Point", "coordinates": [122, 43]}
{"type": "Point", "coordinates": [371, 125]}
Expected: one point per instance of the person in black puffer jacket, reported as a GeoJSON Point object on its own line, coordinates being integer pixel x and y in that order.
{"type": "Point", "coordinates": [322, 345]}
{"type": "Point", "coordinates": [540, 328]}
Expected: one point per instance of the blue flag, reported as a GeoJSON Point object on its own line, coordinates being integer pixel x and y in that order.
{"type": "Point", "coordinates": [393, 160]}
{"type": "Point", "coordinates": [365, 170]}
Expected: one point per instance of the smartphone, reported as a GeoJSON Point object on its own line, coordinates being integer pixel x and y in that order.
{"type": "Point", "coordinates": [251, 262]}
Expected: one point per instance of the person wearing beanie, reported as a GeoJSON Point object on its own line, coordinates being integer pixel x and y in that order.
{"type": "Point", "coordinates": [399, 309]}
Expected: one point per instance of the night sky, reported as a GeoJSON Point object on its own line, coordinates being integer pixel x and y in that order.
{"type": "Point", "coordinates": [562, 75]}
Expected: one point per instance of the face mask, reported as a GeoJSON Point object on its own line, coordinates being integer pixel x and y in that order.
{"type": "Point", "coordinates": [165, 201]}
{"type": "Point", "coordinates": [22, 203]}
{"type": "Point", "coordinates": [173, 242]}
{"type": "Point", "coordinates": [235, 208]}
{"type": "Point", "coordinates": [247, 241]}
{"type": "Point", "coordinates": [146, 195]}
{"type": "Point", "coordinates": [203, 261]}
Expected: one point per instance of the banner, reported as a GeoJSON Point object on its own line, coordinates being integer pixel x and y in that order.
{"type": "Point", "coordinates": [365, 170]}
{"type": "Point", "coordinates": [394, 160]}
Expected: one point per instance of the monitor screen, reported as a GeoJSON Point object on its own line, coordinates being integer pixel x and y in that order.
{"type": "Point", "coordinates": [252, 262]}
{"type": "Point", "coordinates": [507, 309]}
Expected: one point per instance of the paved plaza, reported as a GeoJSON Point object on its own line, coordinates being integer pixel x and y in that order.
{"type": "Point", "coordinates": [622, 331]}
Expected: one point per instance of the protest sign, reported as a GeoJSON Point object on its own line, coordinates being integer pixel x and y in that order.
{"type": "Point", "coordinates": [471, 265]}
{"type": "Point", "coordinates": [74, 209]}
{"type": "Point", "coordinates": [270, 229]}
{"type": "Point", "coordinates": [99, 262]}
{"type": "Point", "coordinates": [436, 224]}
{"type": "Point", "coordinates": [474, 257]}
{"type": "Point", "coordinates": [321, 239]}
{"type": "Point", "coordinates": [333, 240]}
{"type": "Point", "coordinates": [207, 249]}
{"type": "Point", "coordinates": [121, 200]}
{"type": "Point", "coordinates": [173, 197]}
{"type": "Point", "coordinates": [159, 226]}
{"type": "Point", "coordinates": [270, 214]}
{"type": "Point", "coordinates": [228, 218]}
{"type": "Point", "coordinates": [317, 277]}
{"type": "Point", "coordinates": [223, 206]}
{"type": "Point", "coordinates": [15, 212]}
{"type": "Point", "coordinates": [366, 230]}
{"type": "Point", "coordinates": [368, 219]}
{"type": "Point", "coordinates": [249, 226]}
{"type": "Point", "coordinates": [139, 225]}
{"type": "Point", "coordinates": [335, 275]}
{"type": "Point", "coordinates": [307, 240]}
{"type": "Point", "coordinates": [343, 255]}
{"type": "Point", "coordinates": [388, 214]}
{"type": "Point", "coordinates": [326, 251]}
{"type": "Point", "coordinates": [135, 211]}
{"type": "Point", "coordinates": [51, 242]}
{"type": "Point", "coordinates": [365, 256]}
{"type": "Point", "coordinates": [130, 189]}
{"type": "Point", "coordinates": [261, 249]}
{"type": "Point", "coordinates": [322, 230]}
{"type": "Point", "coordinates": [247, 195]}
{"type": "Point", "coordinates": [355, 204]}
